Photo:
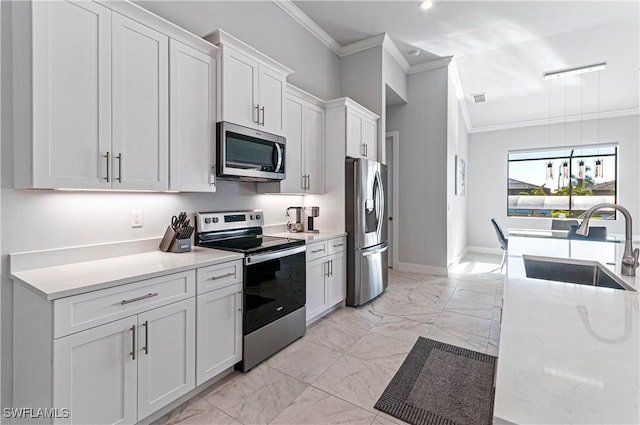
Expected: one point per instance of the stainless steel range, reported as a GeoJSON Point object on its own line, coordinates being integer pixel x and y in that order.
{"type": "Point", "coordinates": [274, 282]}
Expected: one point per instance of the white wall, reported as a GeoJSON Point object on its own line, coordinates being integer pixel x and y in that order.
{"type": "Point", "coordinates": [393, 75]}
{"type": "Point", "coordinates": [457, 145]}
{"type": "Point", "coordinates": [487, 172]}
{"type": "Point", "coordinates": [37, 220]}
{"type": "Point", "coordinates": [422, 174]}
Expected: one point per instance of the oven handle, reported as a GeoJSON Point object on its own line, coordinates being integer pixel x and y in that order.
{"type": "Point", "coordinates": [261, 258]}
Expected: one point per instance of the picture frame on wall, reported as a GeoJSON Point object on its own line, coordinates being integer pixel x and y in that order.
{"type": "Point", "coordinates": [460, 176]}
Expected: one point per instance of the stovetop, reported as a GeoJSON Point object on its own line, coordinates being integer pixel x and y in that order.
{"type": "Point", "coordinates": [252, 244]}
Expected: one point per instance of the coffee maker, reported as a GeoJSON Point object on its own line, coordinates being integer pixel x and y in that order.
{"type": "Point", "coordinates": [311, 213]}
{"type": "Point", "coordinates": [297, 225]}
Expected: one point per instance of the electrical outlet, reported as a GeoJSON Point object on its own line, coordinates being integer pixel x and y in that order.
{"type": "Point", "coordinates": [136, 218]}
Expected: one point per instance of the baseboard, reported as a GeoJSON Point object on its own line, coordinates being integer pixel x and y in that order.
{"type": "Point", "coordinates": [484, 250]}
{"type": "Point", "coordinates": [459, 257]}
{"type": "Point", "coordinates": [419, 268]}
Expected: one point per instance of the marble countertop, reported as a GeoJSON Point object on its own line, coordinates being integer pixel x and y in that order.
{"type": "Point", "coordinates": [76, 278]}
{"type": "Point", "coordinates": [309, 237]}
{"type": "Point", "coordinates": [568, 353]}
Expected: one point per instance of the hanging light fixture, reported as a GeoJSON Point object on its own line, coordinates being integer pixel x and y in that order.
{"type": "Point", "coordinates": [565, 169]}
{"type": "Point", "coordinates": [581, 169]}
{"type": "Point", "coordinates": [598, 168]}
{"type": "Point", "coordinates": [549, 170]}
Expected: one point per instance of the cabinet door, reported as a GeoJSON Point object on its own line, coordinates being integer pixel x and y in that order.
{"type": "Point", "coordinates": [294, 114]}
{"type": "Point", "coordinates": [337, 279]}
{"type": "Point", "coordinates": [354, 135]}
{"type": "Point", "coordinates": [192, 111]}
{"type": "Point", "coordinates": [271, 99]}
{"type": "Point", "coordinates": [71, 94]}
{"type": "Point", "coordinates": [166, 355]}
{"type": "Point", "coordinates": [140, 106]}
{"type": "Point", "coordinates": [95, 374]}
{"type": "Point", "coordinates": [239, 88]}
{"type": "Point", "coordinates": [369, 138]}
{"type": "Point", "coordinates": [313, 148]}
{"type": "Point", "coordinates": [316, 294]}
{"type": "Point", "coordinates": [219, 331]}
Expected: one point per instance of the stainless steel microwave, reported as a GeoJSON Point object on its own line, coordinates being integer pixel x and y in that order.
{"type": "Point", "coordinates": [248, 154]}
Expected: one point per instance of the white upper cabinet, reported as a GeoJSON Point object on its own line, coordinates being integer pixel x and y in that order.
{"type": "Point", "coordinates": [192, 112]}
{"type": "Point", "coordinates": [63, 120]}
{"type": "Point", "coordinates": [140, 146]}
{"type": "Point", "coordinates": [304, 123]}
{"type": "Point", "coordinates": [360, 127]}
{"type": "Point", "coordinates": [252, 88]}
{"type": "Point", "coordinates": [91, 85]}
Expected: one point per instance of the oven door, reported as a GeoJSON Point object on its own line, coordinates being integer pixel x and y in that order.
{"type": "Point", "coordinates": [249, 155]}
{"type": "Point", "coordinates": [274, 285]}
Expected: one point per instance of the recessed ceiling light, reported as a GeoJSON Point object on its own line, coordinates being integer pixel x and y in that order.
{"type": "Point", "coordinates": [426, 4]}
{"type": "Point", "coordinates": [414, 52]}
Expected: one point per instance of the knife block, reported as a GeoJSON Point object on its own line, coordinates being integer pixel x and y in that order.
{"type": "Point", "coordinates": [171, 243]}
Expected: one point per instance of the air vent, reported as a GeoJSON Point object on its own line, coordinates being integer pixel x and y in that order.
{"type": "Point", "coordinates": [479, 98]}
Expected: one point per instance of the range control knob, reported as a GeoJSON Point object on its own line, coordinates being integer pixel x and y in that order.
{"type": "Point", "coordinates": [207, 220]}
{"type": "Point", "coordinates": [258, 217]}
{"type": "Point", "coordinates": [252, 217]}
{"type": "Point", "coordinates": [215, 219]}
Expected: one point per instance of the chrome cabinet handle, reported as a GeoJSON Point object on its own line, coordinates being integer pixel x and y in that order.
{"type": "Point", "coordinates": [262, 109]}
{"type": "Point", "coordinates": [107, 178]}
{"type": "Point", "coordinates": [327, 272]}
{"type": "Point", "coordinates": [140, 298]}
{"type": "Point", "coordinates": [331, 262]}
{"type": "Point", "coordinates": [339, 245]}
{"type": "Point", "coordinates": [119, 167]}
{"type": "Point", "coordinates": [308, 181]}
{"type": "Point", "coordinates": [302, 186]}
{"type": "Point", "coordinates": [222, 276]}
{"type": "Point", "coordinates": [257, 108]}
{"type": "Point", "coordinates": [317, 250]}
{"type": "Point", "coordinates": [146, 337]}
{"type": "Point", "coordinates": [133, 342]}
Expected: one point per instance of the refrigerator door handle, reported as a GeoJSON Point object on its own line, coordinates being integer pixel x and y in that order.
{"type": "Point", "coordinates": [379, 202]}
{"type": "Point", "coordinates": [375, 251]}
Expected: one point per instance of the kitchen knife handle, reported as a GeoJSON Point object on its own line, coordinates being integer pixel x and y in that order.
{"type": "Point", "coordinates": [119, 167]}
{"type": "Point", "coordinates": [108, 177]}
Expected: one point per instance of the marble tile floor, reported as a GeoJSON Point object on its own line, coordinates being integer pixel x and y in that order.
{"type": "Point", "coordinates": [339, 369]}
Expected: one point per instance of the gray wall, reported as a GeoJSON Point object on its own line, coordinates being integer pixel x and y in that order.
{"type": "Point", "coordinates": [487, 172]}
{"type": "Point", "coordinates": [266, 27]}
{"type": "Point", "coordinates": [422, 175]}
{"type": "Point", "coordinates": [40, 220]}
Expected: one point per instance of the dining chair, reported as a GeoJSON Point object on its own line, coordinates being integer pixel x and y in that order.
{"type": "Point", "coordinates": [561, 224]}
{"type": "Point", "coordinates": [504, 242]}
{"type": "Point", "coordinates": [596, 233]}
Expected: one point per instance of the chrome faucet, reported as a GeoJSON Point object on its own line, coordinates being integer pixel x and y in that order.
{"type": "Point", "coordinates": [630, 256]}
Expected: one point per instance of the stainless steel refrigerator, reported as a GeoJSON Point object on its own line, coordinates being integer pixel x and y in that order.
{"type": "Point", "coordinates": [366, 223]}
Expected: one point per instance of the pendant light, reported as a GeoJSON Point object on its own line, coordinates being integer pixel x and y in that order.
{"type": "Point", "coordinates": [549, 170]}
{"type": "Point", "coordinates": [565, 170]}
{"type": "Point", "coordinates": [598, 168]}
{"type": "Point", "coordinates": [581, 169]}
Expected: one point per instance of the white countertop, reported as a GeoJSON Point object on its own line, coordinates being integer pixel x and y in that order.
{"type": "Point", "coordinates": [569, 353]}
{"type": "Point", "coordinates": [76, 278]}
{"type": "Point", "coordinates": [309, 237]}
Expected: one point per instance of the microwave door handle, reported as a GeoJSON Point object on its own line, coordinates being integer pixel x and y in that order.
{"type": "Point", "coordinates": [279, 163]}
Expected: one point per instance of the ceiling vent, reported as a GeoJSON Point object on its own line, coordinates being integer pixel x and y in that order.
{"type": "Point", "coordinates": [479, 98]}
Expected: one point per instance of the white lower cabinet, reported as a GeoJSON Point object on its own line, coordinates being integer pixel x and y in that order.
{"type": "Point", "coordinates": [219, 333]}
{"type": "Point", "coordinates": [123, 371]}
{"type": "Point", "coordinates": [94, 374]}
{"type": "Point", "coordinates": [326, 278]}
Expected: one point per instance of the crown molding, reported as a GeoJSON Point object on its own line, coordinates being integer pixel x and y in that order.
{"type": "Point", "coordinates": [362, 45]}
{"type": "Point", "coordinates": [557, 120]}
{"type": "Point", "coordinates": [307, 23]}
{"type": "Point", "coordinates": [428, 66]}
{"type": "Point", "coordinates": [393, 50]}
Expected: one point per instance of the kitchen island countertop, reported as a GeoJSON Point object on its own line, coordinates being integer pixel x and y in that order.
{"type": "Point", "coordinates": [309, 237]}
{"type": "Point", "coordinates": [569, 353]}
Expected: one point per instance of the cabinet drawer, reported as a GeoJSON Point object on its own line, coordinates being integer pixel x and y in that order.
{"type": "Point", "coordinates": [80, 312]}
{"type": "Point", "coordinates": [316, 250]}
{"type": "Point", "coordinates": [218, 276]}
{"type": "Point", "coordinates": [337, 245]}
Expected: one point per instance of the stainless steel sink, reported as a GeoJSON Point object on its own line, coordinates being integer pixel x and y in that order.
{"type": "Point", "coordinates": [572, 271]}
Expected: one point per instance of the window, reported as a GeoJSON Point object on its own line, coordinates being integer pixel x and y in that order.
{"type": "Point", "coordinates": [562, 182]}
